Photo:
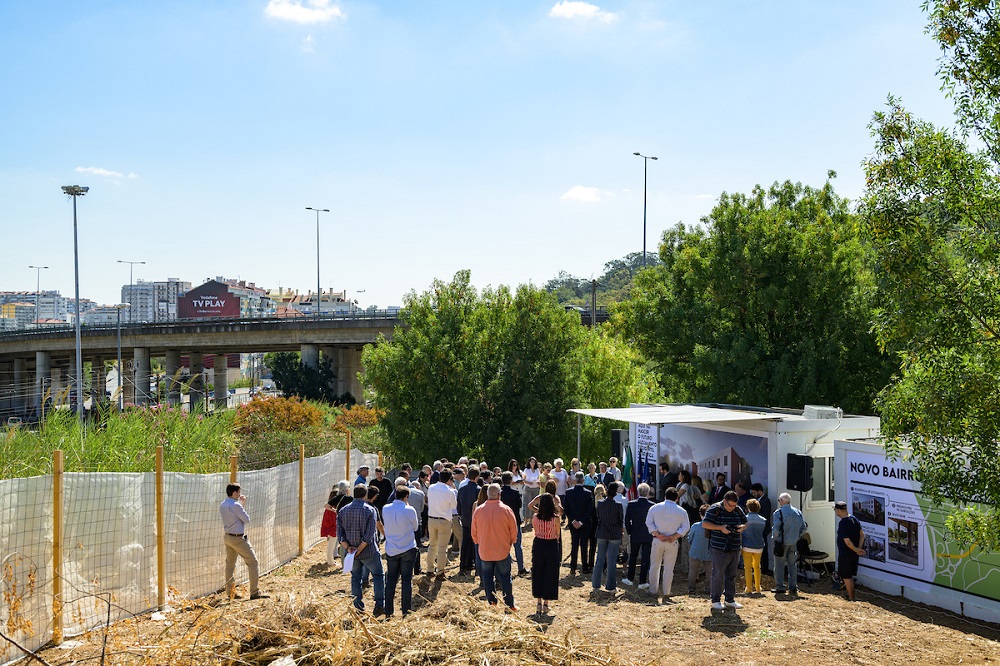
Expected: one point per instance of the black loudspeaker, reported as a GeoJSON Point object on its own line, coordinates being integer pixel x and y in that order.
{"type": "Point", "coordinates": [800, 472]}
{"type": "Point", "coordinates": [618, 439]}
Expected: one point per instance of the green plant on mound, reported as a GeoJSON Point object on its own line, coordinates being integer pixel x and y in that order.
{"type": "Point", "coordinates": [121, 442]}
{"type": "Point", "coordinates": [269, 431]}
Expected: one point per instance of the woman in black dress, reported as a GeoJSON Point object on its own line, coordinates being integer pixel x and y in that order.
{"type": "Point", "coordinates": [545, 553]}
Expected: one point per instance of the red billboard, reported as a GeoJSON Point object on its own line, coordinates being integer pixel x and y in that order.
{"type": "Point", "coordinates": [211, 299]}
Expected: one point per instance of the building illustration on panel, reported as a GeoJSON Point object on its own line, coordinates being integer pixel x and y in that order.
{"type": "Point", "coordinates": [728, 462]}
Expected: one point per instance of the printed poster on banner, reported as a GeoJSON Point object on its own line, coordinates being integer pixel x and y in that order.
{"type": "Point", "coordinates": [906, 536]}
{"type": "Point", "coordinates": [645, 442]}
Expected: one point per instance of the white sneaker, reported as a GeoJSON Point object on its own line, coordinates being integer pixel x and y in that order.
{"type": "Point", "coordinates": [644, 586]}
{"type": "Point", "coordinates": [717, 606]}
{"type": "Point", "coordinates": [626, 581]}
{"type": "Point", "coordinates": [734, 605]}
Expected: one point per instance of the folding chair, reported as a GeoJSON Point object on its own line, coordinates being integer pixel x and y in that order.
{"type": "Point", "coordinates": [811, 560]}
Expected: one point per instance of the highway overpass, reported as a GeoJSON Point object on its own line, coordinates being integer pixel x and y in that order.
{"type": "Point", "coordinates": [34, 363]}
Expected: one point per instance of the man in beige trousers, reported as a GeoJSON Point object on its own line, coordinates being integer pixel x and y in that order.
{"type": "Point", "coordinates": [235, 521]}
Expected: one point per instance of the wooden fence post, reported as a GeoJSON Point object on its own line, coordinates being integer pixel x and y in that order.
{"type": "Point", "coordinates": [161, 524]}
{"type": "Point", "coordinates": [57, 546]}
{"type": "Point", "coordinates": [233, 468]}
{"type": "Point", "coordinates": [302, 499]}
{"type": "Point", "coordinates": [347, 465]}
{"type": "Point", "coordinates": [379, 458]}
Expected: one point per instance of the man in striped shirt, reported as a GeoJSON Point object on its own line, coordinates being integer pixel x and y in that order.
{"type": "Point", "coordinates": [724, 522]}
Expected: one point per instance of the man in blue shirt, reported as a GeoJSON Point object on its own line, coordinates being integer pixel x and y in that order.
{"type": "Point", "coordinates": [787, 527]}
{"type": "Point", "coordinates": [401, 522]}
{"type": "Point", "coordinates": [235, 521]}
{"type": "Point", "coordinates": [356, 532]}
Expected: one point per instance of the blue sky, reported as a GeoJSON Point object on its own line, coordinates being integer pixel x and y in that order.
{"type": "Point", "coordinates": [491, 135]}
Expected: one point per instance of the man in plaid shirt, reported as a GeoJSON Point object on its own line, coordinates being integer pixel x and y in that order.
{"type": "Point", "coordinates": [356, 532]}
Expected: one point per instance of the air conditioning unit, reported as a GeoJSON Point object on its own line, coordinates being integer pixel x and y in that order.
{"type": "Point", "coordinates": [822, 412]}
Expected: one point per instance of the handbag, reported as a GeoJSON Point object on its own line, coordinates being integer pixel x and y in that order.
{"type": "Point", "coordinates": [779, 545]}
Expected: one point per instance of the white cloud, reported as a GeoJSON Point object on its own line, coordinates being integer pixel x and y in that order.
{"type": "Point", "coordinates": [308, 45]}
{"type": "Point", "coordinates": [105, 173]}
{"type": "Point", "coordinates": [584, 194]}
{"type": "Point", "coordinates": [574, 9]}
{"type": "Point", "coordinates": [703, 196]}
{"type": "Point", "coordinates": [309, 11]}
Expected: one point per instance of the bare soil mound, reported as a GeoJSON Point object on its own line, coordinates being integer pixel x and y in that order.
{"type": "Point", "coordinates": [308, 619]}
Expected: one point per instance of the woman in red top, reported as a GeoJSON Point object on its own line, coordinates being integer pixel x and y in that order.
{"type": "Point", "coordinates": [328, 528]}
{"type": "Point", "coordinates": [545, 553]}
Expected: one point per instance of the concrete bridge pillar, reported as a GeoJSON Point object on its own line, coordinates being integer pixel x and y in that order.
{"type": "Point", "coordinates": [57, 383]}
{"type": "Point", "coordinates": [196, 393]}
{"type": "Point", "coordinates": [98, 380]}
{"type": "Point", "coordinates": [172, 361]}
{"type": "Point", "coordinates": [354, 368]}
{"type": "Point", "coordinates": [128, 380]}
{"type": "Point", "coordinates": [220, 378]}
{"type": "Point", "coordinates": [43, 379]}
{"type": "Point", "coordinates": [341, 368]}
{"type": "Point", "coordinates": [310, 355]}
{"type": "Point", "coordinates": [6, 388]}
{"type": "Point", "coordinates": [140, 355]}
{"type": "Point", "coordinates": [20, 386]}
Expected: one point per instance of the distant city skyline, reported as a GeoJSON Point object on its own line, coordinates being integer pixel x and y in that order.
{"type": "Point", "coordinates": [496, 136]}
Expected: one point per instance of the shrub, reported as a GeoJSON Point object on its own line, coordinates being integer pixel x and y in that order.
{"type": "Point", "coordinates": [262, 415]}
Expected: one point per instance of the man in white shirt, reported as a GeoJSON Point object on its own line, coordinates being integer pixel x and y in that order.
{"type": "Point", "coordinates": [442, 501]}
{"type": "Point", "coordinates": [667, 523]}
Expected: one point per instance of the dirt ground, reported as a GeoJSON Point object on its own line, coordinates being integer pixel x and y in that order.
{"type": "Point", "coordinates": [308, 617]}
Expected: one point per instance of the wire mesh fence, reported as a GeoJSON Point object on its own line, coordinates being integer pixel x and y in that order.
{"type": "Point", "coordinates": [81, 549]}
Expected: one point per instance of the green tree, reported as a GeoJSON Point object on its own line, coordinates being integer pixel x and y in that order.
{"type": "Point", "coordinates": [931, 210]}
{"type": "Point", "coordinates": [489, 374]}
{"type": "Point", "coordinates": [763, 304]}
{"type": "Point", "coordinates": [294, 378]}
{"type": "Point", "coordinates": [613, 286]}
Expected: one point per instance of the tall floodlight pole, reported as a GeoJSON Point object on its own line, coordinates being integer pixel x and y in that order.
{"type": "Point", "coordinates": [131, 296]}
{"type": "Point", "coordinates": [645, 162]}
{"type": "Point", "coordinates": [38, 286]}
{"type": "Point", "coordinates": [319, 294]}
{"type": "Point", "coordinates": [77, 191]}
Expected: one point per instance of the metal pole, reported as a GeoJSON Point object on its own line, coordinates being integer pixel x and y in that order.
{"type": "Point", "coordinates": [120, 396]}
{"type": "Point", "coordinates": [76, 317]}
{"type": "Point", "coordinates": [645, 164]}
{"type": "Point", "coordinates": [578, 439]}
{"type": "Point", "coordinates": [593, 304]}
{"type": "Point", "coordinates": [38, 288]}
{"type": "Point", "coordinates": [319, 294]}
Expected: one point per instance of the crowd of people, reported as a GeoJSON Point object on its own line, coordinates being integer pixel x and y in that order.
{"type": "Point", "coordinates": [466, 509]}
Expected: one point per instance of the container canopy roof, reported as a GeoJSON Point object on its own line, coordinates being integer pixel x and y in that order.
{"type": "Point", "coordinates": [661, 414]}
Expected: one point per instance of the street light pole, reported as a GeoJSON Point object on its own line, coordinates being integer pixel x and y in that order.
{"type": "Point", "coordinates": [319, 294]}
{"type": "Point", "coordinates": [38, 283]}
{"type": "Point", "coordinates": [645, 162]}
{"type": "Point", "coordinates": [76, 191]}
{"type": "Point", "coordinates": [118, 309]}
{"type": "Point", "coordinates": [131, 296]}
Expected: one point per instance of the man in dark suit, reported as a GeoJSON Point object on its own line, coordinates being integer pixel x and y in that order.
{"type": "Point", "coordinates": [579, 511]}
{"type": "Point", "coordinates": [720, 489]}
{"type": "Point", "coordinates": [641, 539]}
{"type": "Point", "coordinates": [668, 479]}
{"type": "Point", "coordinates": [467, 495]}
{"type": "Point", "coordinates": [605, 477]}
